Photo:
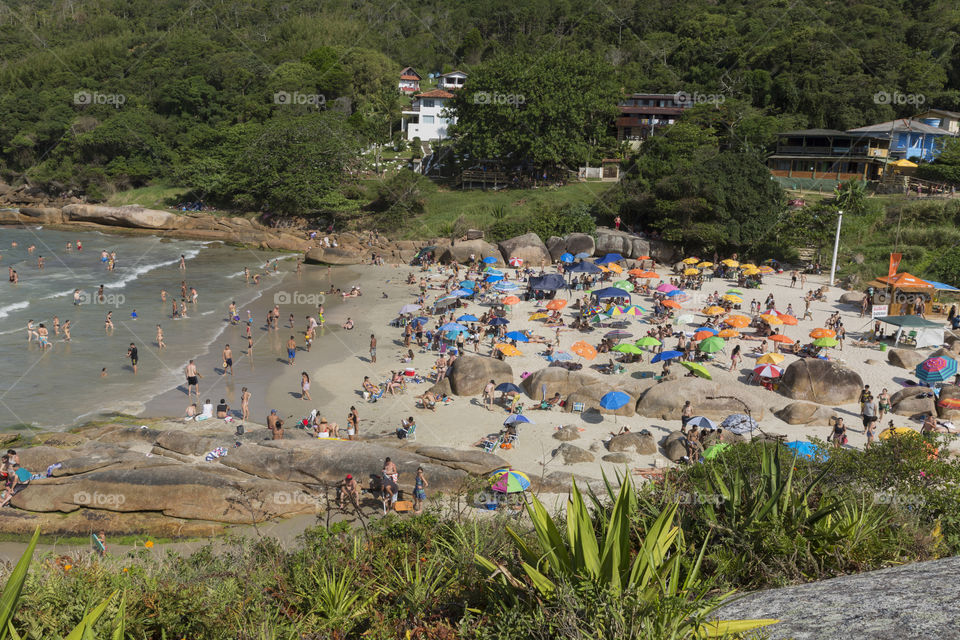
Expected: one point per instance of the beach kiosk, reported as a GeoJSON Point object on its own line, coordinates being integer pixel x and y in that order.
{"type": "Point", "coordinates": [900, 292]}
{"type": "Point", "coordinates": [916, 331]}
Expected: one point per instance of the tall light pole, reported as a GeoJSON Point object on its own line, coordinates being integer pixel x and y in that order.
{"type": "Point", "coordinates": [836, 247]}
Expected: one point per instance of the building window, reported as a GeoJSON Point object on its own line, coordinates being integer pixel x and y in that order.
{"type": "Point", "coordinates": [426, 102]}
{"type": "Point", "coordinates": [426, 119]}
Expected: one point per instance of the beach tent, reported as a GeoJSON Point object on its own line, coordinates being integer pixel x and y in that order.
{"type": "Point", "coordinates": [939, 286]}
{"type": "Point", "coordinates": [610, 292]}
{"type": "Point", "coordinates": [549, 282]}
{"type": "Point", "coordinates": [584, 267]}
{"type": "Point", "coordinates": [901, 280]}
{"type": "Point", "coordinates": [929, 334]}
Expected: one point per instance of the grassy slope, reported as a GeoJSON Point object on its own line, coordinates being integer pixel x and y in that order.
{"type": "Point", "coordinates": [152, 197]}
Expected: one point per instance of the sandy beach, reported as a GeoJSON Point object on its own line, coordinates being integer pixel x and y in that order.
{"type": "Point", "coordinates": [339, 360]}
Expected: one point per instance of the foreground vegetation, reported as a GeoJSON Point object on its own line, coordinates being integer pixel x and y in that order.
{"type": "Point", "coordinates": [651, 562]}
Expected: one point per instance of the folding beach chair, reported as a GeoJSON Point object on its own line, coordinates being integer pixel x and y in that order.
{"type": "Point", "coordinates": [491, 445]}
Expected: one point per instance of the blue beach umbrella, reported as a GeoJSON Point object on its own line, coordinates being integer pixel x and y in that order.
{"type": "Point", "coordinates": [561, 356]}
{"type": "Point", "coordinates": [701, 422]}
{"type": "Point", "coordinates": [454, 327]}
{"type": "Point", "coordinates": [613, 400]}
{"type": "Point", "coordinates": [468, 284]}
{"type": "Point", "coordinates": [461, 293]}
{"type": "Point", "coordinates": [710, 329]}
{"type": "Point", "coordinates": [420, 321]}
{"type": "Point", "coordinates": [675, 292]}
{"type": "Point", "coordinates": [666, 355]}
{"type": "Point", "coordinates": [805, 449]}
{"type": "Point", "coordinates": [567, 257]}
{"type": "Point", "coordinates": [508, 387]}
{"type": "Point", "coordinates": [582, 255]}
{"type": "Point", "coordinates": [517, 418]}
{"type": "Point", "coordinates": [610, 292]}
{"type": "Point", "coordinates": [497, 322]}
{"type": "Point", "coordinates": [468, 318]}
{"type": "Point", "coordinates": [516, 335]}
{"type": "Point", "coordinates": [506, 286]}
{"type": "Point", "coordinates": [610, 257]}
{"type": "Point", "coordinates": [936, 369]}
{"type": "Point", "coordinates": [493, 278]}
{"type": "Point", "coordinates": [489, 260]}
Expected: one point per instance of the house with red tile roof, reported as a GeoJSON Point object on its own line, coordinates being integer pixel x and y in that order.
{"type": "Point", "coordinates": [409, 81]}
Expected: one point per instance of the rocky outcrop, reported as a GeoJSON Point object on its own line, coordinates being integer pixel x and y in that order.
{"type": "Point", "coordinates": [470, 374]}
{"type": "Point", "coordinates": [641, 443]}
{"type": "Point", "coordinates": [917, 602]}
{"type": "Point", "coordinates": [474, 462]}
{"type": "Point", "coordinates": [44, 215]}
{"type": "Point", "coordinates": [574, 244]}
{"type": "Point", "coordinates": [618, 458]}
{"type": "Point", "coordinates": [556, 380]}
{"type": "Point", "coordinates": [329, 255]}
{"type": "Point", "coordinates": [714, 399]}
{"type": "Point", "coordinates": [820, 381]}
{"type": "Point", "coordinates": [573, 454]}
{"type": "Point", "coordinates": [528, 248]}
{"type": "Point", "coordinates": [674, 446]}
{"type": "Point", "coordinates": [631, 246]}
{"type": "Point", "coordinates": [805, 413]}
{"type": "Point", "coordinates": [949, 396]}
{"type": "Point", "coordinates": [130, 216]}
{"type": "Point", "coordinates": [852, 297]}
{"type": "Point", "coordinates": [905, 358]}
{"type": "Point", "coordinates": [913, 401]}
{"type": "Point", "coordinates": [567, 433]}
{"type": "Point", "coordinates": [461, 252]}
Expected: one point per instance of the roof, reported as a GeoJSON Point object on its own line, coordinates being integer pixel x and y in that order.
{"type": "Point", "coordinates": [818, 132]}
{"type": "Point", "coordinates": [462, 73]}
{"type": "Point", "coordinates": [406, 76]}
{"type": "Point", "coordinates": [910, 321]}
{"type": "Point", "coordinates": [657, 96]}
{"type": "Point", "coordinates": [656, 111]}
{"type": "Point", "coordinates": [949, 114]}
{"type": "Point", "coordinates": [902, 124]}
{"type": "Point", "coordinates": [407, 72]}
{"type": "Point", "coordinates": [434, 93]}
{"type": "Point", "coordinates": [939, 286]}
{"type": "Point", "coordinates": [905, 280]}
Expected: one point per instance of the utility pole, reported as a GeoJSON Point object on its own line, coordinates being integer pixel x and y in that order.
{"type": "Point", "coordinates": [836, 248]}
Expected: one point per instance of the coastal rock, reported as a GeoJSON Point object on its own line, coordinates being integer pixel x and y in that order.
{"type": "Point", "coordinates": [475, 462]}
{"type": "Point", "coordinates": [118, 434]}
{"type": "Point", "coordinates": [186, 443]}
{"type": "Point", "coordinates": [9, 216]}
{"type": "Point", "coordinates": [567, 433]}
{"type": "Point", "coordinates": [556, 379]}
{"type": "Point", "coordinates": [574, 244]}
{"type": "Point", "coordinates": [949, 392]}
{"type": "Point", "coordinates": [82, 521]}
{"type": "Point", "coordinates": [905, 358]}
{"type": "Point", "coordinates": [852, 297]}
{"type": "Point", "coordinates": [632, 246]}
{"type": "Point", "coordinates": [820, 381]}
{"type": "Point", "coordinates": [284, 242]}
{"type": "Point", "coordinates": [713, 437]}
{"type": "Point", "coordinates": [46, 215]}
{"type": "Point", "coordinates": [590, 395]}
{"type": "Point", "coordinates": [618, 458]}
{"type": "Point", "coordinates": [909, 402]}
{"type": "Point", "coordinates": [461, 251]}
{"type": "Point", "coordinates": [917, 603]}
{"type": "Point", "coordinates": [573, 454]}
{"type": "Point", "coordinates": [805, 413]}
{"type": "Point", "coordinates": [641, 443]}
{"type": "Point", "coordinates": [710, 398]}
{"type": "Point", "coordinates": [176, 490]}
{"type": "Point", "coordinates": [331, 255]}
{"type": "Point", "coordinates": [528, 248]}
{"type": "Point", "coordinates": [674, 446]}
{"type": "Point", "coordinates": [470, 374]}
{"type": "Point", "coordinates": [129, 216]}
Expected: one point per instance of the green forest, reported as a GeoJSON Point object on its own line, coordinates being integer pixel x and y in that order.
{"type": "Point", "coordinates": [270, 107]}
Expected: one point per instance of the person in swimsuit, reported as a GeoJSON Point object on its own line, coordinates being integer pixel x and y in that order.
{"type": "Point", "coordinates": [304, 385]}
{"type": "Point", "coordinates": [193, 378]}
{"type": "Point", "coordinates": [227, 359]}
{"type": "Point", "coordinates": [42, 336]}
{"type": "Point", "coordinates": [66, 331]}
{"type": "Point", "coordinates": [244, 404]}
{"type": "Point", "coordinates": [291, 350]}
{"type": "Point", "coordinates": [108, 323]}
{"type": "Point", "coordinates": [419, 491]}
{"type": "Point", "coordinates": [160, 343]}
{"type": "Point", "coordinates": [883, 404]}
{"type": "Point", "coordinates": [31, 332]}
{"type": "Point", "coordinates": [353, 424]}
{"type": "Point", "coordinates": [839, 435]}
{"type": "Point", "coordinates": [134, 357]}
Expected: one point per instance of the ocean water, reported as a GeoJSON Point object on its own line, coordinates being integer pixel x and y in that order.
{"type": "Point", "coordinates": [61, 385]}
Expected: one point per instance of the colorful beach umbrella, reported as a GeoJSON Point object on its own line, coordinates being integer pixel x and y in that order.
{"type": "Point", "coordinates": [517, 418]}
{"type": "Point", "coordinates": [516, 336]}
{"type": "Point", "coordinates": [936, 369]}
{"type": "Point", "coordinates": [613, 400]}
{"type": "Point", "coordinates": [489, 260]}
{"type": "Point", "coordinates": [770, 318]}
{"type": "Point", "coordinates": [820, 332]}
{"type": "Point", "coordinates": [409, 308]}
{"type": "Point", "coordinates": [615, 268]}
{"type": "Point", "coordinates": [453, 327]}
{"type": "Point", "coordinates": [734, 292]}
{"type": "Point", "coordinates": [691, 272]}
{"type": "Point", "coordinates": [509, 300]}
{"type": "Point", "coordinates": [697, 369]}
{"type": "Point", "coordinates": [498, 322]}
{"type": "Point", "coordinates": [671, 304]}
{"type": "Point", "coordinates": [768, 371]}
{"type": "Point", "coordinates": [737, 322]}
{"type": "Point", "coordinates": [666, 355]}
{"type": "Point", "coordinates": [787, 319]}
{"type": "Point", "coordinates": [666, 287]}
{"type": "Point", "coordinates": [712, 345]}
{"type": "Point", "coordinates": [771, 358]}
{"type": "Point", "coordinates": [556, 304]}
{"type": "Point", "coordinates": [508, 349]}
{"type": "Point", "coordinates": [560, 356]}
{"type": "Point", "coordinates": [567, 258]}
{"type": "Point", "coordinates": [508, 387]}
{"type": "Point", "coordinates": [627, 348]}
{"type": "Point", "coordinates": [703, 335]}
{"type": "Point", "coordinates": [731, 263]}
{"type": "Point", "coordinates": [509, 481]}
{"type": "Point", "coordinates": [825, 342]}
{"type": "Point", "coordinates": [618, 334]}
{"type": "Point", "coordinates": [516, 262]}
{"type": "Point", "coordinates": [691, 260]}
{"type": "Point", "coordinates": [733, 299]}
{"type": "Point", "coordinates": [468, 318]}
{"type": "Point", "coordinates": [704, 265]}
{"type": "Point", "coordinates": [623, 284]}
{"type": "Point", "coordinates": [647, 341]}
{"type": "Point", "coordinates": [715, 310]}
{"type": "Point", "coordinates": [539, 315]}
{"type": "Point", "coordinates": [782, 339]}
{"type": "Point", "coordinates": [701, 422]}
{"type": "Point", "coordinates": [728, 333]}
{"type": "Point", "coordinates": [584, 350]}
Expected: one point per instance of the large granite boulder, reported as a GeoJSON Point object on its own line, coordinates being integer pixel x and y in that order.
{"type": "Point", "coordinates": [626, 244]}
{"type": "Point", "coordinates": [129, 216]}
{"type": "Point", "coordinates": [567, 433]}
{"type": "Point", "coordinates": [905, 358]}
{"type": "Point", "coordinates": [181, 491]}
{"type": "Point", "coordinates": [714, 399]}
{"type": "Point", "coordinates": [186, 443]}
{"type": "Point", "coordinates": [556, 380]}
{"type": "Point", "coordinates": [574, 244]}
{"type": "Point", "coordinates": [330, 255]}
{"type": "Point", "coordinates": [713, 437]}
{"type": "Point", "coordinates": [474, 461]}
{"type": "Point", "coordinates": [641, 443]}
{"type": "Point", "coordinates": [573, 454]}
{"type": "Point", "coordinates": [912, 401]}
{"type": "Point", "coordinates": [674, 446]}
{"type": "Point", "coordinates": [528, 247]}
{"type": "Point", "coordinates": [461, 252]}
{"type": "Point", "coordinates": [949, 396]}
{"type": "Point", "coordinates": [805, 413]}
{"type": "Point", "coordinates": [45, 215]}
{"type": "Point", "coordinates": [821, 381]}
{"type": "Point", "coordinates": [470, 374]}
{"type": "Point", "coordinates": [918, 601]}
{"type": "Point", "coordinates": [852, 297]}
{"type": "Point", "coordinates": [618, 458]}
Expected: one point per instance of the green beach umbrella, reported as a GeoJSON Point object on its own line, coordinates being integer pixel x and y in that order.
{"type": "Point", "coordinates": [735, 292]}
{"type": "Point", "coordinates": [648, 341]}
{"type": "Point", "coordinates": [623, 284]}
{"type": "Point", "coordinates": [698, 369]}
{"type": "Point", "coordinates": [715, 450]}
{"type": "Point", "coordinates": [627, 348]}
{"type": "Point", "coordinates": [825, 342]}
{"type": "Point", "coordinates": [712, 345]}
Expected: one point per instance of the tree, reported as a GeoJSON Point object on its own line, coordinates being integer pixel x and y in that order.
{"type": "Point", "coordinates": [851, 197]}
{"type": "Point", "coordinates": [946, 168]}
{"type": "Point", "coordinates": [552, 110]}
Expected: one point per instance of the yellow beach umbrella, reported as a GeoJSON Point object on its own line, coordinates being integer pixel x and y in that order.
{"type": "Point", "coordinates": [748, 265]}
{"type": "Point", "coordinates": [714, 311]}
{"type": "Point", "coordinates": [751, 272]}
{"type": "Point", "coordinates": [615, 268]}
{"type": "Point", "coordinates": [733, 299]}
{"type": "Point", "coordinates": [704, 265]}
{"type": "Point", "coordinates": [728, 333]}
{"type": "Point", "coordinates": [691, 260]}
{"type": "Point", "coordinates": [691, 272]}
{"type": "Point", "coordinates": [730, 262]}
{"type": "Point", "coordinates": [508, 349]}
{"type": "Point", "coordinates": [771, 319]}
{"type": "Point", "coordinates": [771, 358]}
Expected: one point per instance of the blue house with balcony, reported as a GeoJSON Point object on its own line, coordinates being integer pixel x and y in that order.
{"type": "Point", "coordinates": [913, 140]}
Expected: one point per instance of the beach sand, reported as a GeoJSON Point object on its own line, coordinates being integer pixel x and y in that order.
{"type": "Point", "coordinates": [340, 359]}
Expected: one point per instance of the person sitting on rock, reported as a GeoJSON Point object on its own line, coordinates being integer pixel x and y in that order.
{"type": "Point", "coordinates": [348, 490]}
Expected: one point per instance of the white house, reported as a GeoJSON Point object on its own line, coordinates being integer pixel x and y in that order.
{"type": "Point", "coordinates": [409, 81]}
{"type": "Point", "coordinates": [428, 116]}
{"type": "Point", "coordinates": [949, 121]}
{"type": "Point", "coordinates": [452, 80]}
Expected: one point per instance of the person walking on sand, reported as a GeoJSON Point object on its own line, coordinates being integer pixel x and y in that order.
{"type": "Point", "coordinates": [160, 343]}
{"type": "Point", "coordinates": [373, 348]}
{"type": "Point", "coordinates": [304, 385]}
{"type": "Point", "coordinates": [735, 358]}
{"type": "Point", "coordinates": [244, 404]}
{"type": "Point", "coordinates": [193, 378]}
{"type": "Point", "coordinates": [488, 395]}
{"type": "Point", "coordinates": [134, 357]}
{"type": "Point", "coordinates": [353, 424]}
{"type": "Point", "coordinates": [686, 413]}
{"type": "Point", "coordinates": [227, 359]}
{"type": "Point", "coordinates": [419, 491]}
{"type": "Point", "coordinates": [291, 350]}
